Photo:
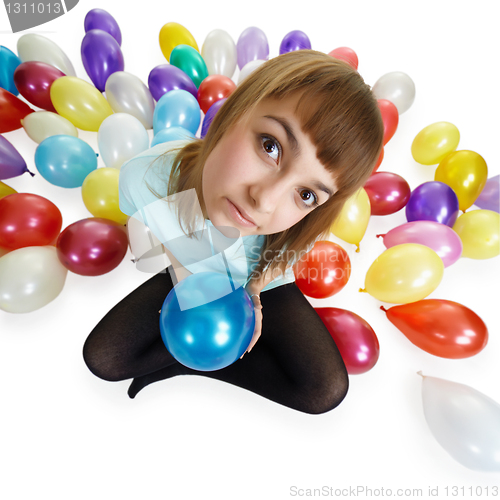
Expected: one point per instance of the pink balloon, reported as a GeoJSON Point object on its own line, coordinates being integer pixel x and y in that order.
{"type": "Point", "coordinates": [92, 246]}
{"type": "Point", "coordinates": [355, 338]}
{"type": "Point", "coordinates": [345, 54]}
{"type": "Point", "coordinates": [440, 237]}
{"type": "Point", "coordinates": [33, 79]}
{"type": "Point", "coordinates": [388, 192]}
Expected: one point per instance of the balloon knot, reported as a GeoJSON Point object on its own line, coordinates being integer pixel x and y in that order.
{"type": "Point", "coordinates": [380, 235]}
{"type": "Point", "coordinates": [362, 290]}
{"type": "Point", "coordinates": [383, 309]}
{"type": "Point", "coordinates": [421, 374]}
{"type": "Point", "coordinates": [357, 248]}
{"type": "Point", "coordinates": [31, 173]}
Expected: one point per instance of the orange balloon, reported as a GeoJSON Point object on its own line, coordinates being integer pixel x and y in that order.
{"type": "Point", "coordinates": [440, 327]}
{"type": "Point", "coordinates": [323, 271]}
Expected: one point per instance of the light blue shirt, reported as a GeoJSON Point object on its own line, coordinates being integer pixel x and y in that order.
{"type": "Point", "coordinates": [209, 250]}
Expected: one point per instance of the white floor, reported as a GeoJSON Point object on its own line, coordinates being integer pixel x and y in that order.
{"type": "Point", "coordinates": [68, 435]}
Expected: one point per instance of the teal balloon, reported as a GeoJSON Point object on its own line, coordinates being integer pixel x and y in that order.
{"type": "Point", "coordinates": [207, 321]}
{"type": "Point", "coordinates": [65, 160]}
{"type": "Point", "coordinates": [177, 108]}
{"type": "Point", "coordinates": [8, 64]}
{"type": "Point", "coordinates": [190, 61]}
{"type": "Point", "coordinates": [171, 134]}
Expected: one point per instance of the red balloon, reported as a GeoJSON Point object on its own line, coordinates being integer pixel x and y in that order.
{"type": "Point", "coordinates": [345, 54]}
{"type": "Point", "coordinates": [379, 161]}
{"type": "Point", "coordinates": [28, 220]}
{"type": "Point", "coordinates": [355, 338]}
{"type": "Point", "coordinates": [12, 111]}
{"type": "Point", "coordinates": [33, 80]}
{"type": "Point", "coordinates": [93, 246]}
{"type": "Point", "coordinates": [388, 192]}
{"type": "Point", "coordinates": [214, 88]}
{"type": "Point", "coordinates": [390, 117]}
{"type": "Point", "coordinates": [323, 271]}
{"type": "Point", "coordinates": [440, 327]}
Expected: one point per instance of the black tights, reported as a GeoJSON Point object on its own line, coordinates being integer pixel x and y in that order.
{"type": "Point", "coordinates": [295, 362]}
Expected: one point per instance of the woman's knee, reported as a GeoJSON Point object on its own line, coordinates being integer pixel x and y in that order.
{"type": "Point", "coordinates": [326, 393]}
{"type": "Point", "coordinates": [100, 361]}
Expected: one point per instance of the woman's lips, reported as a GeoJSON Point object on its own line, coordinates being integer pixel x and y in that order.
{"type": "Point", "coordinates": [239, 216]}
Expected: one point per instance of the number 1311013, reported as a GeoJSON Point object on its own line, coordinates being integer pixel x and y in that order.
{"type": "Point", "coordinates": [34, 8]}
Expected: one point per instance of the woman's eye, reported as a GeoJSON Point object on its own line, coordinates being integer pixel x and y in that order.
{"type": "Point", "coordinates": [308, 198]}
{"type": "Point", "coordinates": [272, 148]}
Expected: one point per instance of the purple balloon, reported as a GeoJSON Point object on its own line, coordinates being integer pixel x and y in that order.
{"type": "Point", "coordinates": [212, 111]}
{"type": "Point", "coordinates": [101, 19]}
{"type": "Point", "coordinates": [489, 199]}
{"type": "Point", "coordinates": [440, 237]}
{"type": "Point", "coordinates": [252, 45]}
{"type": "Point", "coordinates": [12, 163]}
{"type": "Point", "coordinates": [434, 201]}
{"type": "Point", "coordinates": [167, 77]}
{"type": "Point", "coordinates": [101, 56]}
{"type": "Point", "coordinates": [295, 40]}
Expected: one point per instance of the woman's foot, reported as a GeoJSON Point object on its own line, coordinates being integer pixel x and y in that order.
{"type": "Point", "coordinates": [140, 382]}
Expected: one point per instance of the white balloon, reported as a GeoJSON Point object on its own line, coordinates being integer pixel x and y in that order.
{"type": "Point", "coordinates": [465, 422]}
{"type": "Point", "coordinates": [219, 53]}
{"type": "Point", "coordinates": [120, 137]}
{"type": "Point", "coordinates": [126, 93]}
{"type": "Point", "coordinates": [30, 278]}
{"type": "Point", "coordinates": [249, 68]}
{"type": "Point", "coordinates": [43, 124]}
{"type": "Point", "coordinates": [33, 47]}
{"type": "Point", "coordinates": [146, 247]}
{"type": "Point", "coordinates": [396, 87]}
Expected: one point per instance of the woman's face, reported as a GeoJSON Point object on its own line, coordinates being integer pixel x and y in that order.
{"type": "Point", "coordinates": [263, 176]}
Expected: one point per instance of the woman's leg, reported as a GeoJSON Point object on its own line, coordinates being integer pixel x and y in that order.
{"type": "Point", "coordinates": [126, 343]}
{"type": "Point", "coordinates": [295, 362]}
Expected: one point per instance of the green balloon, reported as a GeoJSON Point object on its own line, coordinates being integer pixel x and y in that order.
{"type": "Point", "coordinates": [190, 61]}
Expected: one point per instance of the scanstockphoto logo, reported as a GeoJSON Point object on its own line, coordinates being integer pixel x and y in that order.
{"type": "Point", "coordinates": [27, 14]}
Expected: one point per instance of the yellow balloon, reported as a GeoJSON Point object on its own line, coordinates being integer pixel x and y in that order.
{"type": "Point", "coordinates": [466, 173]}
{"type": "Point", "coordinates": [479, 232]}
{"type": "Point", "coordinates": [79, 102]}
{"type": "Point", "coordinates": [5, 190]}
{"type": "Point", "coordinates": [173, 34]}
{"type": "Point", "coordinates": [353, 219]}
{"type": "Point", "coordinates": [404, 273]}
{"type": "Point", "coordinates": [434, 142]}
{"type": "Point", "coordinates": [100, 194]}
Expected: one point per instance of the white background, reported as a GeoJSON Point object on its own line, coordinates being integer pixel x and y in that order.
{"type": "Point", "coordinates": [66, 434]}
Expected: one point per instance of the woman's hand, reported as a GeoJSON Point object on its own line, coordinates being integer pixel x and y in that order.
{"type": "Point", "coordinates": [258, 322]}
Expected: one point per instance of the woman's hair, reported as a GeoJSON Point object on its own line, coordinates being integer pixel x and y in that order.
{"type": "Point", "coordinates": [338, 112]}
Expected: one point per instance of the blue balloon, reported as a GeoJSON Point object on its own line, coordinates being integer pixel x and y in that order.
{"type": "Point", "coordinates": [171, 134]}
{"type": "Point", "coordinates": [434, 201]}
{"type": "Point", "coordinates": [212, 111]}
{"type": "Point", "coordinates": [206, 323]}
{"type": "Point", "coordinates": [65, 160]}
{"type": "Point", "coordinates": [8, 64]}
{"type": "Point", "coordinates": [166, 77]}
{"type": "Point", "coordinates": [295, 40]}
{"type": "Point", "coordinates": [177, 108]}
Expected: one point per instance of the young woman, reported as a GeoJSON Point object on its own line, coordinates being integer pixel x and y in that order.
{"type": "Point", "coordinates": [294, 141]}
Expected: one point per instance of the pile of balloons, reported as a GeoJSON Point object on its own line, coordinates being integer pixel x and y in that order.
{"type": "Point", "coordinates": [36, 256]}
{"type": "Point", "coordinates": [418, 251]}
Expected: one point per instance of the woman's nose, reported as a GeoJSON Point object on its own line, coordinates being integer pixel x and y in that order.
{"type": "Point", "coordinates": [267, 194]}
